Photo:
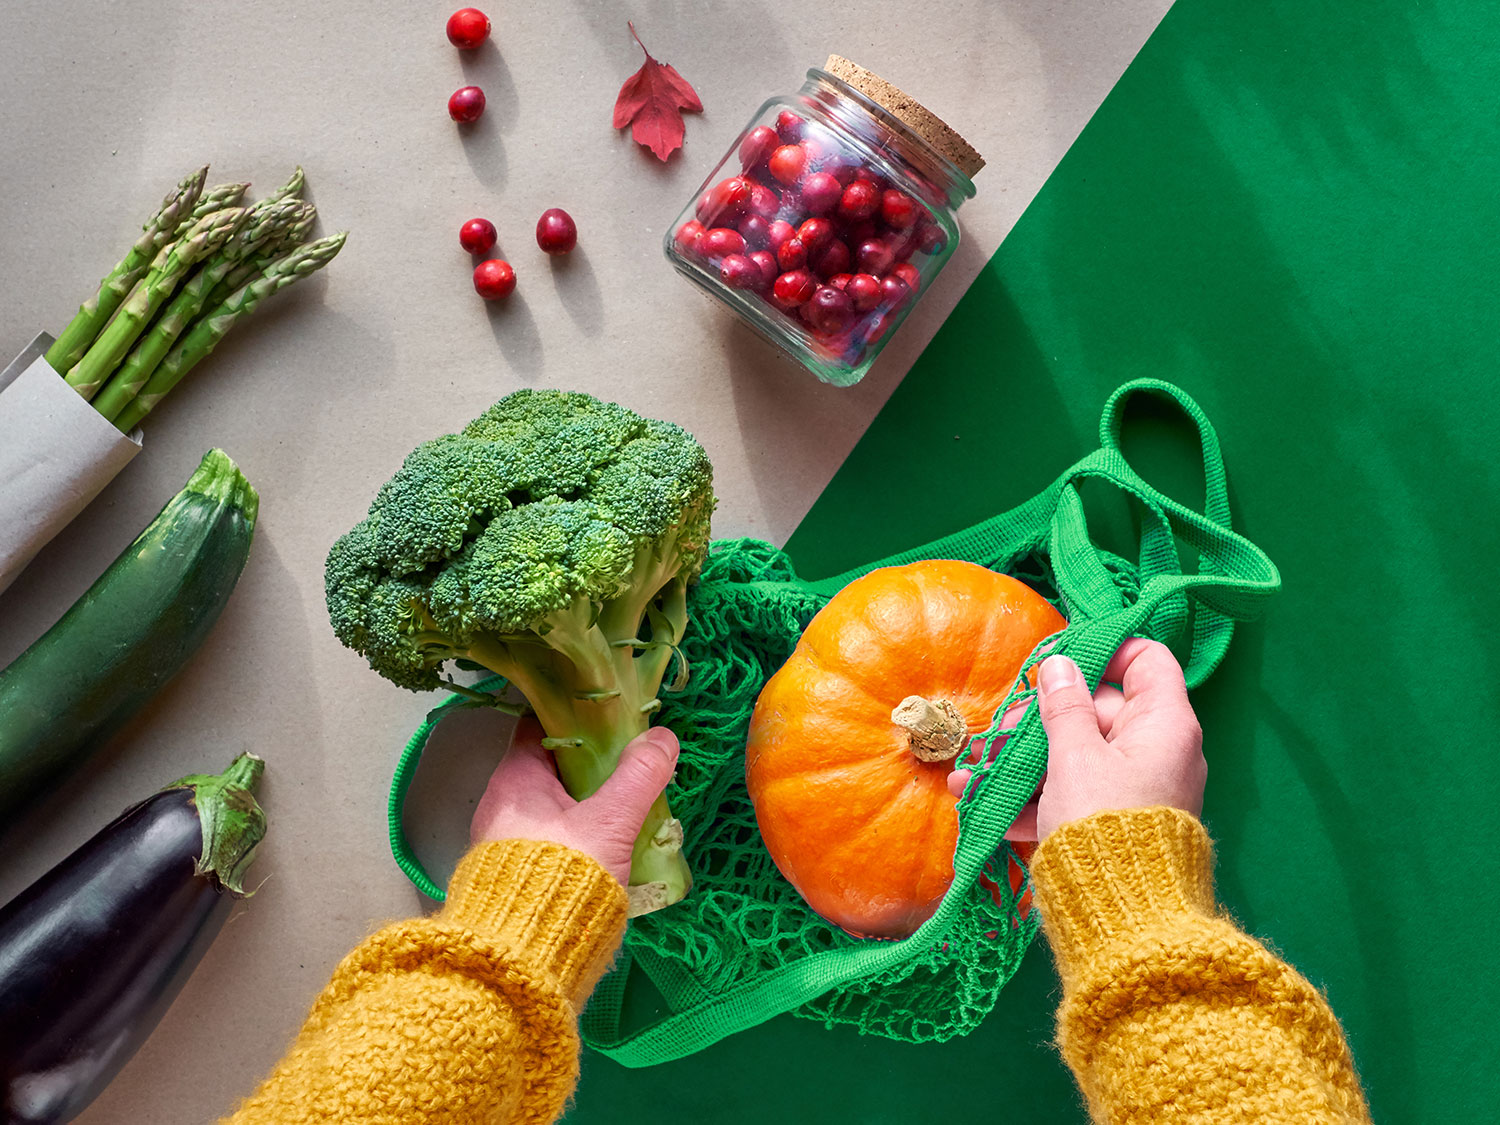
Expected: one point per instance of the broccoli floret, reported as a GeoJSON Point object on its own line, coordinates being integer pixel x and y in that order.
{"type": "Point", "coordinates": [551, 541]}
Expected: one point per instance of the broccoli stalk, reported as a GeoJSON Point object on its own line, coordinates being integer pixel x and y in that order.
{"type": "Point", "coordinates": [593, 682]}
{"type": "Point", "coordinates": [551, 541]}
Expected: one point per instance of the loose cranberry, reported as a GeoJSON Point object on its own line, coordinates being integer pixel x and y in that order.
{"type": "Point", "coordinates": [766, 262]}
{"type": "Point", "coordinates": [933, 240]}
{"type": "Point", "coordinates": [757, 147]}
{"type": "Point", "coordinates": [841, 281]}
{"type": "Point", "coordinates": [792, 254]}
{"type": "Point", "coordinates": [781, 231]}
{"type": "Point", "coordinates": [494, 279]}
{"type": "Point", "coordinates": [556, 233]}
{"type": "Point", "coordinates": [864, 290]}
{"type": "Point", "coordinates": [789, 127]}
{"type": "Point", "coordinates": [829, 310]}
{"type": "Point", "coordinates": [477, 236]}
{"type": "Point", "coordinates": [468, 28]}
{"type": "Point", "coordinates": [739, 272]}
{"type": "Point", "coordinates": [720, 241]}
{"type": "Point", "coordinates": [873, 256]}
{"type": "Point", "coordinates": [756, 229]}
{"type": "Point", "coordinates": [898, 209]}
{"type": "Point", "coordinates": [466, 104]}
{"type": "Point", "coordinates": [831, 259]}
{"type": "Point", "coordinates": [893, 291]}
{"type": "Point", "coordinates": [787, 163]}
{"type": "Point", "coordinates": [794, 288]}
{"type": "Point", "coordinates": [909, 274]}
{"type": "Point", "coordinates": [815, 233]}
{"type": "Point", "coordinates": [764, 201]}
{"type": "Point", "coordinates": [871, 176]}
{"type": "Point", "coordinates": [876, 327]}
{"type": "Point", "coordinates": [820, 193]}
{"type": "Point", "coordinates": [705, 207]}
{"type": "Point", "coordinates": [860, 201]}
{"type": "Point", "coordinates": [689, 236]}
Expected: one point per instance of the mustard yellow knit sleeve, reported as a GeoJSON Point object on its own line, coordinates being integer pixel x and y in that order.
{"type": "Point", "coordinates": [468, 1016]}
{"type": "Point", "coordinates": [1171, 1014]}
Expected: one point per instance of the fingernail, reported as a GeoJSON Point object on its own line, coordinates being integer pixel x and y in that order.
{"type": "Point", "coordinates": [1057, 673]}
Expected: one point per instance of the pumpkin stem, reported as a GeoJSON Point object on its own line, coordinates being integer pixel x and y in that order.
{"type": "Point", "coordinates": [938, 732]}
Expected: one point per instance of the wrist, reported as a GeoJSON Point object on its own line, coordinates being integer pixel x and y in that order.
{"type": "Point", "coordinates": [557, 909]}
{"type": "Point", "coordinates": [1111, 876]}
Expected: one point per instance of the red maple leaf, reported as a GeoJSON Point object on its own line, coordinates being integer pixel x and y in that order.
{"type": "Point", "coordinates": [652, 102]}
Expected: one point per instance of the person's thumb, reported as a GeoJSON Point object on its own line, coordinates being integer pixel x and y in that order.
{"type": "Point", "coordinates": [1067, 706]}
{"type": "Point", "coordinates": [644, 769]}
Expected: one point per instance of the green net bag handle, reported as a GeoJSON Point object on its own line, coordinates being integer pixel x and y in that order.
{"type": "Point", "coordinates": [406, 769]}
{"type": "Point", "coordinates": [1233, 580]}
{"type": "Point", "coordinates": [1086, 582]}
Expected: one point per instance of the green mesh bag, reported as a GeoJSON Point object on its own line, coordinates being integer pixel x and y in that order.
{"type": "Point", "coordinates": [743, 947]}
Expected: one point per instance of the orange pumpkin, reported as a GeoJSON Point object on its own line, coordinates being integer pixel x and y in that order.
{"type": "Point", "coordinates": [853, 804]}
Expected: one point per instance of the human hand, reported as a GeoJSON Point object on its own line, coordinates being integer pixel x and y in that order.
{"type": "Point", "coordinates": [1119, 749]}
{"type": "Point", "coordinates": [524, 800]}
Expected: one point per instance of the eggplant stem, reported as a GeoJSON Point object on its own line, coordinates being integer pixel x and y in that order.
{"type": "Point", "coordinates": [233, 822]}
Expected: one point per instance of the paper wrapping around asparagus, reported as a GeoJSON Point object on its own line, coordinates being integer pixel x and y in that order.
{"type": "Point", "coordinates": [56, 454]}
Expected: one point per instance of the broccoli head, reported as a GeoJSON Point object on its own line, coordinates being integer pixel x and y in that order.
{"type": "Point", "coordinates": [551, 541]}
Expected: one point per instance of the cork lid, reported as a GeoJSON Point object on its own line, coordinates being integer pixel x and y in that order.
{"type": "Point", "coordinates": [906, 109]}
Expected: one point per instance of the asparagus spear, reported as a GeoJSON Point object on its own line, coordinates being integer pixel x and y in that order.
{"type": "Point", "coordinates": [171, 266]}
{"type": "Point", "coordinates": [246, 271]}
{"type": "Point", "coordinates": [294, 235]}
{"type": "Point", "coordinates": [214, 199]}
{"type": "Point", "coordinates": [289, 190]}
{"type": "Point", "coordinates": [94, 313]}
{"type": "Point", "coordinates": [262, 226]}
{"type": "Point", "coordinates": [212, 327]}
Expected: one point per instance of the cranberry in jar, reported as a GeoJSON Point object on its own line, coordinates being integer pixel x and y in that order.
{"type": "Point", "coordinates": [828, 218]}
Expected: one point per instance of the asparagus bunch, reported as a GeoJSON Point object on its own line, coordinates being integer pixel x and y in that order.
{"type": "Point", "coordinates": [150, 293]}
{"type": "Point", "coordinates": [212, 327]}
{"type": "Point", "coordinates": [260, 229]}
{"type": "Point", "coordinates": [94, 313]}
{"type": "Point", "coordinates": [202, 263]}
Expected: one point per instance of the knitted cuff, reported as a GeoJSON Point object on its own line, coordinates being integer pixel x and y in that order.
{"type": "Point", "coordinates": [560, 912]}
{"type": "Point", "coordinates": [1117, 874]}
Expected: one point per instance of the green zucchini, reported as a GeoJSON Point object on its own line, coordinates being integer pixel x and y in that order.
{"type": "Point", "coordinates": [127, 636]}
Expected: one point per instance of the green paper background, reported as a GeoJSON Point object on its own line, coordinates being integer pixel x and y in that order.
{"type": "Point", "coordinates": [1290, 210]}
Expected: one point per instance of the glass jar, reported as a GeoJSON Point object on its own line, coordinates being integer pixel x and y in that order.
{"type": "Point", "coordinates": [828, 218]}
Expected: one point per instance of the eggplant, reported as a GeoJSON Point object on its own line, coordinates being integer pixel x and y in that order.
{"type": "Point", "coordinates": [93, 953]}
